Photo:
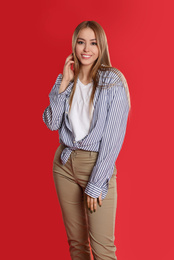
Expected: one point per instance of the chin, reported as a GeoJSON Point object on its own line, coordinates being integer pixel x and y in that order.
{"type": "Point", "coordinates": [87, 62]}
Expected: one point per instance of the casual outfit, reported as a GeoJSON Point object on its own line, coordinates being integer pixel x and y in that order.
{"type": "Point", "coordinates": [84, 163]}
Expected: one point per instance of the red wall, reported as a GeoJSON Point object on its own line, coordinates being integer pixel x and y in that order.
{"type": "Point", "coordinates": [36, 39]}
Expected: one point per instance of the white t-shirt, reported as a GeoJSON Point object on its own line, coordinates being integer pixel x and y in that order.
{"type": "Point", "coordinates": [79, 117]}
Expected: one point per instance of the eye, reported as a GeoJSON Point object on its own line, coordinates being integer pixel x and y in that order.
{"type": "Point", "coordinates": [79, 42]}
{"type": "Point", "coordinates": [93, 43]}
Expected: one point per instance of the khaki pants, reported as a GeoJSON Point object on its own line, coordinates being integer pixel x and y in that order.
{"type": "Point", "coordinates": [82, 226]}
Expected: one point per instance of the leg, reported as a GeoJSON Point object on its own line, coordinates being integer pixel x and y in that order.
{"type": "Point", "coordinates": [71, 199]}
{"type": "Point", "coordinates": [102, 225]}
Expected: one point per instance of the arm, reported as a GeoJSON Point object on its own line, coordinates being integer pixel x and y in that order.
{"type": "Point", "coordinates": [111, 142]}
{"type": "Point", "coordinates": [53, 114]}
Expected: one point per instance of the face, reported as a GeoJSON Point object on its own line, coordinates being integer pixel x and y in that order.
{"type": "Point", "coordinates": [86, 47]}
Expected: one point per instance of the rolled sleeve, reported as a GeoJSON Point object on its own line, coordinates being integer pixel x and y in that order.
{"type": "Point", "coordinates": [111, 143]}
{"type": "Point", "coordinates": [53, 114]}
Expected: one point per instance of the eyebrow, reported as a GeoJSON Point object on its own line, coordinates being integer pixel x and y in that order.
{"type": "Point", "coordinates": [84, 39]}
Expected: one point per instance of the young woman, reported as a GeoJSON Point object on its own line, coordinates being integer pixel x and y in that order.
{"type": "Point", "coordinates": [89, 106]}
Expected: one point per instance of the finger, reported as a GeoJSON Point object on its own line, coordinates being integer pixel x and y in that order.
{"type": "Point", "coordinates": [67, 66]}
{"type": "Point", "coordinates": [88, 202]}
{"type": "Point", "coordinates": [69, 62]}
{"type": "Point", "coordinates": [95, 204]}
{"type": "Point", "coordinates": [91, 204]}
{"type": "Point", "coordinates": [70, 57]}
{"type": "Point", "coordinates": [100, 200]}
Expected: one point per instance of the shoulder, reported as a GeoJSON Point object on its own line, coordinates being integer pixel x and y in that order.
{"type": "Point", "coordinates": [110, 77]}
{"type": "Point", "coordinates": [114, 83]}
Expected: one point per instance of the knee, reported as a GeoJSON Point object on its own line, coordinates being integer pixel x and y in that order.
{"type": "Point", "coordinates": [103, 250]}
{"type": "Point", "coordinates": [79, 250]}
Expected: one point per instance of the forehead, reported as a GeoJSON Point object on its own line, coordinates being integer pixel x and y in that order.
{"type": "Point", "coordinates": [86, 33]}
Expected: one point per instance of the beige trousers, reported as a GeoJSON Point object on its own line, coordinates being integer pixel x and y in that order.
{"type": "Point", "coordinates": [83, 228]}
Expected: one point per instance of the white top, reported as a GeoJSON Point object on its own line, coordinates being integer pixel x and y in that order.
{"type": "Point", "coordinates": [79, 117]}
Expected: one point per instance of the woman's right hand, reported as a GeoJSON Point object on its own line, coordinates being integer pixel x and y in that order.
{"type": "Point", "coordinates": [68, 73]}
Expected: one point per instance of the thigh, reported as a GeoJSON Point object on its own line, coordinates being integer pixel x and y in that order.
{"type": "Point", "coordinates": [69, 193]}
{"type": "Point", "coordinates": [62, 170]}
{"type": "Point", "coordinates": [71, 200]}
{"type": "Point", "coordinates": [83, 164]}
{"type": "Point", "coordinates": [102, 224]}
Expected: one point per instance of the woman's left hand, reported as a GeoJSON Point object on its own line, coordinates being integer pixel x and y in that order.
{"type": "Point", "coordinates": [92, 203]}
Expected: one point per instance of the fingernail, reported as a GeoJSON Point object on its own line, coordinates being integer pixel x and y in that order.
{"type": "Point", "coordinates": [91, 211]}
{"type": "Point", "coordinates": [94, 210]}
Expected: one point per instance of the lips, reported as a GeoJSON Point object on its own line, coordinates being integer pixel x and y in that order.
{"type": "Point", "coordinates": [86, 56]}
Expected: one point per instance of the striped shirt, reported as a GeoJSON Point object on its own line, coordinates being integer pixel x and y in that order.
{"type": "Point", "coordinates": [107, 129]}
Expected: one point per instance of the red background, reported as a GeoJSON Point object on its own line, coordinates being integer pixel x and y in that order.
{"type": "Point", "coordinates": [35, 41]}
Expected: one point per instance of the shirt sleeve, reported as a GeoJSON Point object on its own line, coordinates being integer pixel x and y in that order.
{"type": "Point", "coordinates": [110, 144]}
{"type": "Point", "coordinates": [53, 114]}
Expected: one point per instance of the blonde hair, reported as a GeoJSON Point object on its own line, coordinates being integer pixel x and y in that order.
{"type": "Point", "coordinates": [102, 62]}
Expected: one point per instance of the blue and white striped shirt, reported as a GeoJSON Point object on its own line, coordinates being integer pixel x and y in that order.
{"type": "Point", "coordinates": [107, 129]}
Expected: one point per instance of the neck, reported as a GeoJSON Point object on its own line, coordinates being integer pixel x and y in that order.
{"type": "Point", "coordinates": [84, 73]}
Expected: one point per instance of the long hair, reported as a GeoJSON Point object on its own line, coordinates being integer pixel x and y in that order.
{"type": "Point", "coordinates": [102, 62]}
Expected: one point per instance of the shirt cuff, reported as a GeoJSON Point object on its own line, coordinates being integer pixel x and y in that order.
{"type": "Point", "coordinates": [62, 96]}
{"type": "Point", "coordinates": [92, 190]}
{"type": "Point", "coordinates": [54, 94]}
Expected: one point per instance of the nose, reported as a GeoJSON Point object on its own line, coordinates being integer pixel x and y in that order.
{"type": "Point", "coordinates": [86, 47]}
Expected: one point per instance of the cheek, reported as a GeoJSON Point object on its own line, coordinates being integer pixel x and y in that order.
{"type": "Point", "coordinates": [77, 50]}
{"type": "Point", "coordinates": [97, 52]}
